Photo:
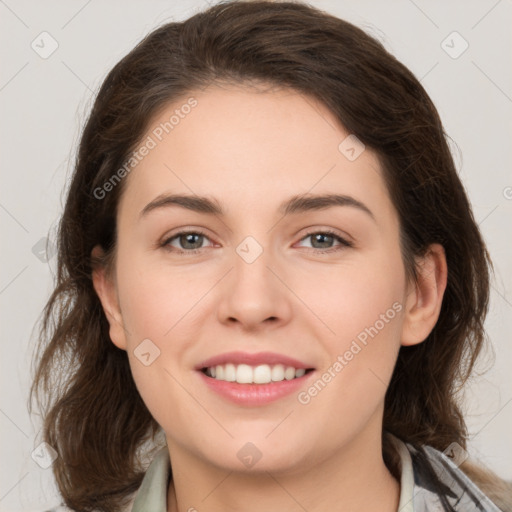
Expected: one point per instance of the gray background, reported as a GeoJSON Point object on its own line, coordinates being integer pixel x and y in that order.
{"type": "Point", "coordinates": [44, 102]}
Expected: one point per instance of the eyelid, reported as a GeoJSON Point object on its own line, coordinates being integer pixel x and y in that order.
{"type": "Point", "coordinates": [186, 230]}
{"type": "Point", "coordinates": [343, 239]}
{"type": "Point", "coordinates": [331, 231]}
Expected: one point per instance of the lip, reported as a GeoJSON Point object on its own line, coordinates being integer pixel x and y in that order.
{"type": "Point", "coordinates": [255, 394]}
{"type": "Point", "coordinates": [270, 358]}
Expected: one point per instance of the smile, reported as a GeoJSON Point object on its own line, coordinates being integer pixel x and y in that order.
{"type": "Point", "coordinates": [261, 374]}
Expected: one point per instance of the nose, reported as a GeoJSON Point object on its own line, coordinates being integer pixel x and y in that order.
{"type": "Point", "coordinates": [254, 293]}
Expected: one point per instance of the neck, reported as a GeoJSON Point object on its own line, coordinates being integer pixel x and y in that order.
{"type": "Point", "coordinates": [353, 478]}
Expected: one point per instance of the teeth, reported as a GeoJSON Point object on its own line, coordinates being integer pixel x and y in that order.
{"type": "Point", "coordinates": [230, 372]}
{"type": "Point", "coordinates": [244, 374]}
{"type": "Point", "coordinates": [289, 373]}
{"type": "Point", "coordinates": [277, 372]}
{"type": "Point", "coordinates": [261, 374]}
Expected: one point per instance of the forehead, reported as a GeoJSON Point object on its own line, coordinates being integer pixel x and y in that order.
{"type": "Point", "coordinates": [249, 147]}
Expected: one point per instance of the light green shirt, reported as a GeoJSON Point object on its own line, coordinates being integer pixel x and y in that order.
{"type": "Point", "coordinates": [416, 483]}
{"type": "Point", "coordinates": [152, 494]}
{"type": "Point", "coordinates": [427, 478]}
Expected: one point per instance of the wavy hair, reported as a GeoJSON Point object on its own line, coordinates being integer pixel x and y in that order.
{"type": "Point", "coordinates": [93, 414]}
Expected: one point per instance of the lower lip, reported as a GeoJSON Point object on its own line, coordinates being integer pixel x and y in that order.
{"type": "Point", "coordinates": [255, 394]}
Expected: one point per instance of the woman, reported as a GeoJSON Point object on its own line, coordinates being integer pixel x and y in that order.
{"type": "Point", "coordinates": [267, 258]}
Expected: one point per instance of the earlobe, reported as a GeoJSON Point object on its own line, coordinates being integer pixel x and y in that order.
{"type": "Point", "coordinates": [424, 300]}
{"type": "Point", "coordinates": [106, 290]}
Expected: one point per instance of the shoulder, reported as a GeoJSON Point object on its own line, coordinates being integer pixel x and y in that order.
{"type": "Point", "coordinates": [61, 508]}
{"type": "Point", "coordinates": [439, 479]}
{"type": "Point", "coordinates": [151, 495]}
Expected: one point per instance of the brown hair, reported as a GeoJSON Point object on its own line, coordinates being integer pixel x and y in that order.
{"type": "Point", "coordinates": [93, 414]}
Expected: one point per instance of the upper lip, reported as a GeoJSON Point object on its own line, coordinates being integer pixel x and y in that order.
{"type": "Point", "coordinates": [255, 359]}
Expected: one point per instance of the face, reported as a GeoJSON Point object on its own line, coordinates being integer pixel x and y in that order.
{"type": "Point", "coordinates": [265, 283]}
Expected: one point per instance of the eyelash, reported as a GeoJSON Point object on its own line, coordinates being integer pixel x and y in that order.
{"type": "Point", "coordinates": [343, 242]}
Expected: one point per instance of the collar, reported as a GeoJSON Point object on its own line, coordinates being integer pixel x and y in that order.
{"type": "Point", "coordinates": [152, 493]}
{"type": "Point", "coordinates": [406, 503]}
{"type": "Point", "coordinates": [417, 493]}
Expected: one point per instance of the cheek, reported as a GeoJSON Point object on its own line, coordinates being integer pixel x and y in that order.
{"type": "Point", "coordinates": [154, 304]}
{"type": "Point", "coordinates": [155, 299]}
{"type": "Point", "coordinates": [362, 305]}
{"type": "Point", "coordinates": [351, 309]}
{"type": "Point", "coordinates": [159, 305]}
{"type": "Point", "coordinates": [353, 298]}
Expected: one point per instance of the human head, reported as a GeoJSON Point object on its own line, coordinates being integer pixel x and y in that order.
{"type": "Point", "coordinates": [374, 97]}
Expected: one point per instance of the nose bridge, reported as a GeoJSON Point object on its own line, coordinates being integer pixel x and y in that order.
{"type": "Point", "coordinates": [254, 293]}
{"type": "Point", "coordinates": [251, 273]}
{"type": "Point", "coordinates": [250, 250]}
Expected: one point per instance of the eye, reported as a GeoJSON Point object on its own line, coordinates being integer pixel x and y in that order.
{"type": "Point", "coordinates": [323, 240]}
{"type": "Point", "coordinates": [189, 242]}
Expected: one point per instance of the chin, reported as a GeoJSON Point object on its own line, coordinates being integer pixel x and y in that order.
{"type": "Point", "coordinates": [249, 455]}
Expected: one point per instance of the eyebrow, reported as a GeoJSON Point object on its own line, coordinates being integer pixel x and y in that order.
{"type": "Point", "coordinates": [297, 204]}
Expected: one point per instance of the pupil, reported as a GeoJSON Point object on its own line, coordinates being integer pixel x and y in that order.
{"type": "Point", "coordinates": [189, 239]}
{"type": "Point", "coordinates": [320, 235]}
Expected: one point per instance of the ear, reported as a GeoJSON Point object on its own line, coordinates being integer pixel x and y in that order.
{"type": "Point", "coordinates": [106, 290]}
{"type": "Point", "coordinates": [424, 299]}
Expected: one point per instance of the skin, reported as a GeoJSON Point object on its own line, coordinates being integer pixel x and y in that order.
{"type": "Point", "coordinates": [251, 150]}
